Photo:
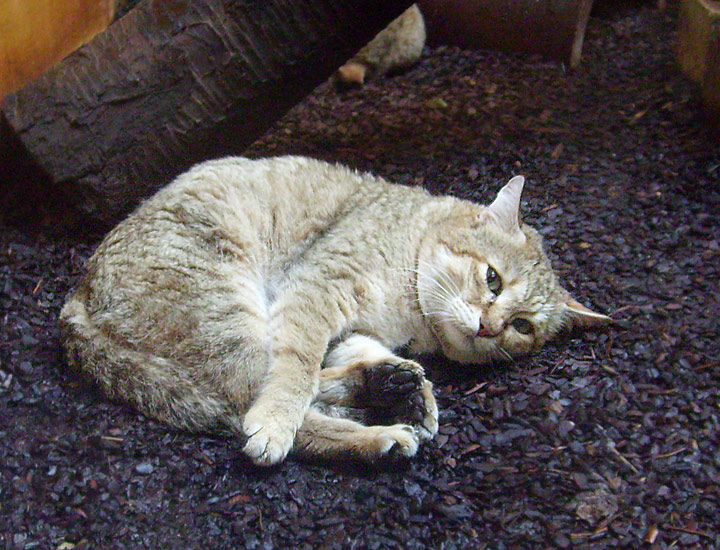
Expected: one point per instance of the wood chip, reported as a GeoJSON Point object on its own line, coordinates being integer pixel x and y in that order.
{"type": "Point", "coordinates": [651, 534]}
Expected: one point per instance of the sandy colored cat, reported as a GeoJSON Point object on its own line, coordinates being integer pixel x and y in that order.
{"type": "Point", "coordinates": [264, 298]}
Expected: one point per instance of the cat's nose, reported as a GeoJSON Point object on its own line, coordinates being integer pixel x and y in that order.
{"type": "Point", "coordinates": [485, 332]}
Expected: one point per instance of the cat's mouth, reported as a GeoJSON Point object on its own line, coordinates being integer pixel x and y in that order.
{"type": "Point", "coordinates": [485, 331]}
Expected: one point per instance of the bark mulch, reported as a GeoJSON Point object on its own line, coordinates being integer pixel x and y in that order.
{"type": "Point", "coordinates": [603, 440]}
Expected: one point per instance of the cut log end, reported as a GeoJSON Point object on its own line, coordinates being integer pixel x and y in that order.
{"type": "Point", "coordinates": [25, 53]}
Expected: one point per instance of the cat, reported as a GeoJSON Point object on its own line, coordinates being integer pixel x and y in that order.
{"type": "Point", "coordinates": [395, 48]}
{"type": "Point", "coordinates": [264, 298]}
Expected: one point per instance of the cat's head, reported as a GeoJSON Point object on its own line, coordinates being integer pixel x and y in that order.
{"type": "Point", "coordinates": [486, 287]}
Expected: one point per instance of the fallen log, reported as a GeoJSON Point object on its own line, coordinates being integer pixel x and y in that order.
{"type": "Point", "coordinates": [174, 82]}
{"type": "Point", "coordinates": [552, 28]}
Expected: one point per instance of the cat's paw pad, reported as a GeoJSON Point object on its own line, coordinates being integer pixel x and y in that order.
{"type": "Point", "coordinates": [268, 443]}
{"type": "Point", "coordinates": [420, 411]}
{"type": "Point", "coordinates": [389, 383]}
{"type": "Point", "coordinates": [395, 440]}
{"type": "Point", "coordinates": [400, 393]}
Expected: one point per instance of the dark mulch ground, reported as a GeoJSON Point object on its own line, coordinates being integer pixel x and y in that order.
{"type": "Point", "coordinates": [600, 441]}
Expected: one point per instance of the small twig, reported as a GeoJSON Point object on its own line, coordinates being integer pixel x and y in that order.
{"type": "Point", "coordinates": [691, 531]}
{"type": "Point", "coordinates": [470, 448]}
{"type": "Point", "coordinates": [557, 364]}
{"type": "Point", "coordinates": [37, 286]}
{"type": "Point", "coordinates": [603, 525]}
{"type": "Point", "coordinates": [229, 496]}
{"type": "Point", "coordinates": [589, 534]}
{"type": "Point", "coordinates": [611, 445]}
{"type": "Point", "coordinates": [206, 459]}
{"type": "Point", "coordinates": [608, 349]}
{"type": "Point", "coordinates": [475, 388]}
{"type": "Point", "coordinates": [609, 369]}
{"type": "Point", "coordinates": [706, 366]}
{"type": "Point", "coordinates": [625, 308]}
{"type": "Point", "coordinates": [672, 453]}
{"type": "Point", "coordinates": [661, 392]}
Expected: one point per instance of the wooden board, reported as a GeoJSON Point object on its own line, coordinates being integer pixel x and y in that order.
{"type": "Point", "coordinates": [699, 49]}
{"type": "Point", "coordinates": [552, 28]}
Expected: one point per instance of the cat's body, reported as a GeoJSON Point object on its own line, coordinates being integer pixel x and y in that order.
{"type": "Point", "coordinates": [215, 304]}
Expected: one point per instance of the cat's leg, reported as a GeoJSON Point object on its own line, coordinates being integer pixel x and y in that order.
{"type": "Point", "coordinates": [303, 320]}
{"type": "Point", "coordinates": [327, 437]}
{"type": "Point", "coordinates": [362, 374]}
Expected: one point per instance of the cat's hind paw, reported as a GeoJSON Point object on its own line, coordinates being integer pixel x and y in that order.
{"type": "Point", "coordinates": [395, 440]}
{"type": "Point", "coordinates": [268, 443]}
{"type": "Point", "coordinates": [388, 383]}
{"type": "Point", "coordinates": [401, 393]}
{"type": "Point", "coordinates": [425, 412]}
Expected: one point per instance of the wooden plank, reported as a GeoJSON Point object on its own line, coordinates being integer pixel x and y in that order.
{"type": "Point", "coordinates": [552, 28]}
{"type": "Point", "coordinates": [699, 21]}
{"type": "Point", "coordinates": [175, 82]}
{"type": "Point", "coordinates": [699, 50]}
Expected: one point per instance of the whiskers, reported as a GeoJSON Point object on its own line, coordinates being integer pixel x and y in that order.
{"type": "Point", "coordinates": [436, 291]}
{"type": "Point", "coordinates": [505, 353]}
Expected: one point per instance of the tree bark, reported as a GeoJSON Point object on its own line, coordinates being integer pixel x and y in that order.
{"type": "Point", "coordinates": [552, 28]}
{"type": "Point", "coordinates": [175, 82]}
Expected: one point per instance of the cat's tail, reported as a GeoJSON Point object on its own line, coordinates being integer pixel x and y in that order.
{"type": "Point", "coordinates": [155, 385]}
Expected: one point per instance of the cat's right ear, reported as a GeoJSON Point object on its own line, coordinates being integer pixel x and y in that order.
{"type": "Point", "coordinates": [581, 316]}
{"type": "Point", "coordinates": [505, 209]}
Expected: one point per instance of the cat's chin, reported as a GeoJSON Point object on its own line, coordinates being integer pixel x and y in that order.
{"type": "Point", "coordinates": [462, 356]}
{"type": "Point", "coordinates": [465, 348]}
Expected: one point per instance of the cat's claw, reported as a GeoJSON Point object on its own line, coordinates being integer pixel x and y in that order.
{"type": "Point", "coordinates": [398, 439]}
{"type": "Point", "coordinates": [267, 444]}
{"type": "Point", "coordinates": [428, 410]}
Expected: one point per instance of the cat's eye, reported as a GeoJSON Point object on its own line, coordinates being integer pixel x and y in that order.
{"type": "Point", "coordinates": [494, 282]}
{"type": "Point", "coordinates": [523, 326]}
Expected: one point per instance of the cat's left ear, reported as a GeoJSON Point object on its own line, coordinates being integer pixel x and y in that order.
{"type": "Point", "coordinates": [581, 316]}
{"type": "Point", "coordinates": [505, 209]}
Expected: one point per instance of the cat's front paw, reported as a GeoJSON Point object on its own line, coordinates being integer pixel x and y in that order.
{"type": "Point", "coordinates": [268, 442]}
